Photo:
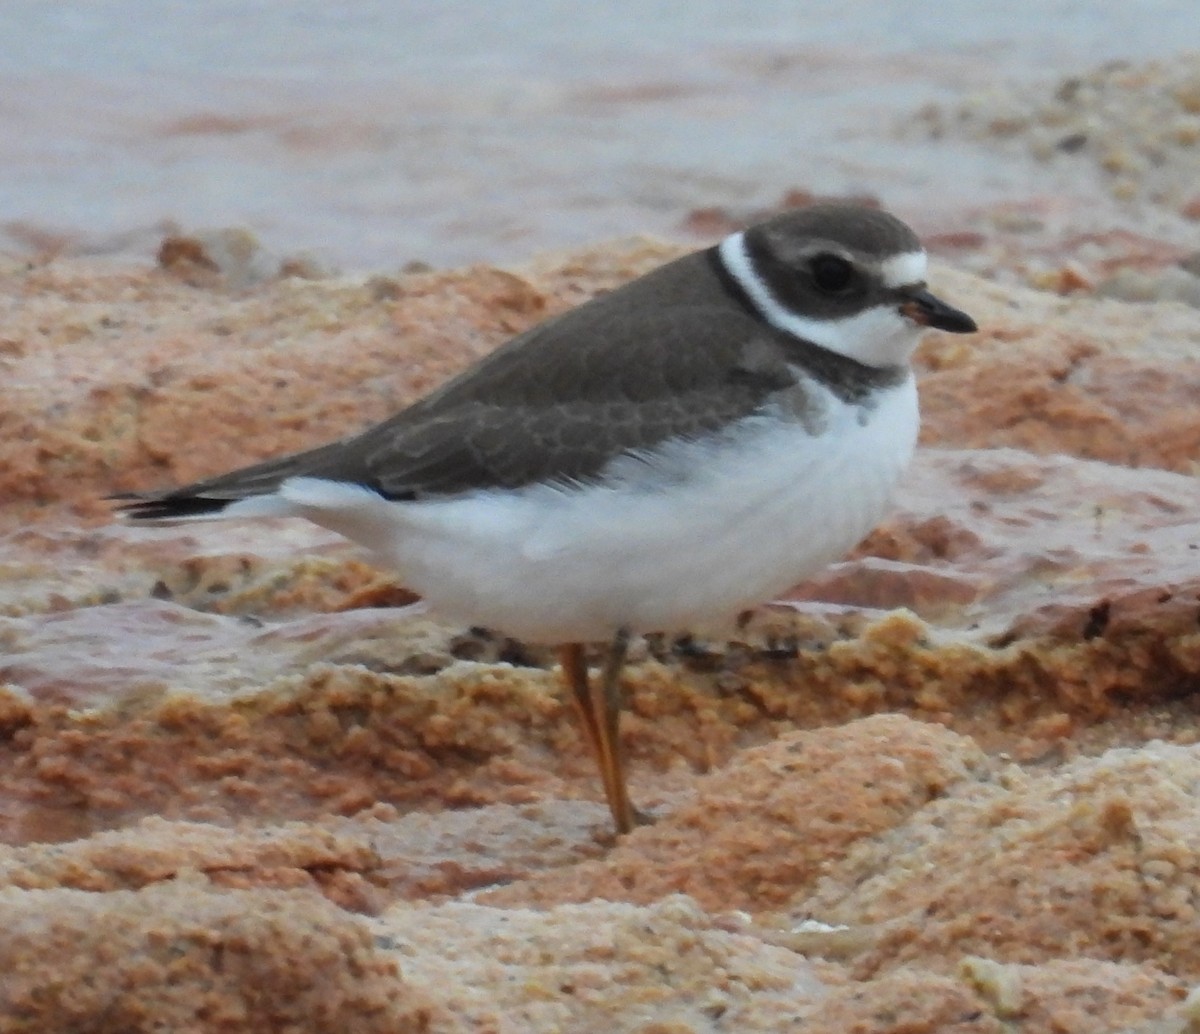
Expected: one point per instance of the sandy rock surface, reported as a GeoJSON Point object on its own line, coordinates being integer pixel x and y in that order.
{"type": "Point", "coordinates": [250, 784]}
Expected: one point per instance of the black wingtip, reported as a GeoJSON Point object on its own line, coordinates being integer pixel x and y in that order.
{"type": "Point", "coordinates": [139, 508]}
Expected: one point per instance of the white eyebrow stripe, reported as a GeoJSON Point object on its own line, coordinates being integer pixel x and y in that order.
{"type": "Point", "coordinates": [905, 269]}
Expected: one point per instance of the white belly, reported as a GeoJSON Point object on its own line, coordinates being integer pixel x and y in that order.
{"type": "Point", "coordinates": [682, 538]}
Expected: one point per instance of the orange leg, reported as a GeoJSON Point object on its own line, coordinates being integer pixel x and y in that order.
{"type": "Point", "coordinates": [600, 714]}
{"type": "Point", "coordinates": [576, 675]}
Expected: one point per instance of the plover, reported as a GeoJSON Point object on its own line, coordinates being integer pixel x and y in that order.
{"type": "Point", "coordinates": [676, 451]}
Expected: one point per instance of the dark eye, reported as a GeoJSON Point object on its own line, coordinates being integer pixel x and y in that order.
{"type": "Point", "coordinates": [832, 274]}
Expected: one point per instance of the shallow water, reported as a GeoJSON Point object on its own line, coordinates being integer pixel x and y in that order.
{"type": "Point", "coordinates": [379, 132]}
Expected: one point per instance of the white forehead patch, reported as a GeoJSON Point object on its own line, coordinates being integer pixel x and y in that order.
{"type": "Point", "coordinates": [902, 270]}
{"type": "Point", "coordinates": [878, 336]}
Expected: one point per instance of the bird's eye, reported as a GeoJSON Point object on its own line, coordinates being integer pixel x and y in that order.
{"type": "Point", "coordinates": [832, 274]}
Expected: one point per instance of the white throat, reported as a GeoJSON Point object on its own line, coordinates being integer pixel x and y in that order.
{"type": "Point", "coordinates": [878, 336]}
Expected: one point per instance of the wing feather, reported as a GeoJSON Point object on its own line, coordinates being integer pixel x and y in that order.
{"type": "Point", "coordinates": [548, 405]}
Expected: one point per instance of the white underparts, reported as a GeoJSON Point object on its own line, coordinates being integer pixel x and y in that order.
{"type": "Point", "coordinates": [682, 536]}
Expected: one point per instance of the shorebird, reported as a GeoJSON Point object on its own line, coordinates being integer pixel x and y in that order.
{"type": "Point", "coordinates": [676, 451]}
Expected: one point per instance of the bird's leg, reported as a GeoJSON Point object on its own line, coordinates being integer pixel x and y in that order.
{"type": "Point", "coordinates": [599, 713]}
{"type": "Point", "coordinates": [608, 722]}
{"type": "Point", "coordinates": [575, 673]}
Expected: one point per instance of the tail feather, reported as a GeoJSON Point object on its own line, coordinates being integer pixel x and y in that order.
{"type": "Point", "coordinates": [154, 508]}
{"type": "Point", "coordinates": [211, 496]}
